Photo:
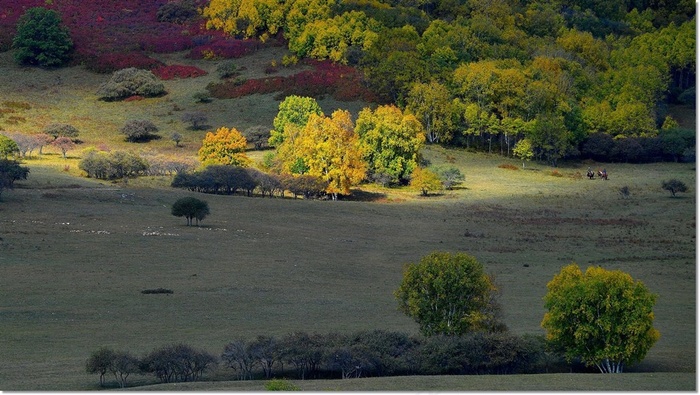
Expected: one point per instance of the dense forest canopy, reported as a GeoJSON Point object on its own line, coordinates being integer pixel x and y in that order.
{"type": "Point", "coordinates": [488, 74]}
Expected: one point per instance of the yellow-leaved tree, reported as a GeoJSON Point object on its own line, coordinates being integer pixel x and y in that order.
{"type": "Point", "coordinates": [222, 15]}
{"type": "Point", "coordinates": [225, 147]}
{"type": "Point", "coordinates": [328, 148]}
{"type": "Point", "coordinates": [602, 317]}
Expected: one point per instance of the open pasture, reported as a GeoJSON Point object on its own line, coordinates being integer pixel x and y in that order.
{"type": "Point", "coordinates": [75, 254]}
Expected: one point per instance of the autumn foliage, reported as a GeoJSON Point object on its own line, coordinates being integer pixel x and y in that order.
{"type": "Point", "coordinates": [225, 147]}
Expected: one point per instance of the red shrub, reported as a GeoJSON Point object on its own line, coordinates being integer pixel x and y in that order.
{"type": "Point", "coordinates": [177, 71]}
{"type": "Point", "coordinates": [108, 63]}
{"type": "Point", "coordinates": [223, 48]}
{"type": "Point", "coordinates": [327, 78]}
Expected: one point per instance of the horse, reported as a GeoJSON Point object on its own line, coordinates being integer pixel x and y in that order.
{"type": "Point", "coordinates": [590, 174]}
{"type": "Point", "coordinates": [603, 174]}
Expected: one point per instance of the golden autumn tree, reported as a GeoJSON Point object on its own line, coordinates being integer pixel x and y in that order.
{"type": "Point", "coordinates": [328, 148]}
{"type": "Point", "coordinates": [225, 147]}
{"type": "Point", "coordinates": [425, 181]}
{"type": "Point", "coordinates": [222, 15]}
{"type": "Point", "coordinates": [391, 141]}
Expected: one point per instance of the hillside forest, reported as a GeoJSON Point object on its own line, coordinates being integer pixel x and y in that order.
{"type": "Point", "coordinates": [547, 80]}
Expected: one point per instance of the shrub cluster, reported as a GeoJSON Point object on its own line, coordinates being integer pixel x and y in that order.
{"type": "Point", "coordinates": [670, 145]}
{"type": "Point", "coordinates": [228, 180]}
{"type": "Point", "coordinates": [342, 82]}
{"type": "Point", "coordinates": [224, 48]}
{"type": "Point", "coordinates": [177, 12]}
{"type": "Point", "coordinates": [130, 82]}
{"type": "Point", "coordinates": [173, 71]}
{"type": "Point", "coordinates": [111, 62]}
{"type": "Point", "coordinates": [119, 164]}
{"type": "Point", "coordinates": [370, 353]}
{"type": "Point", "coordinates": [139, 130]}
{"type": "Point", "coordinates": [168, 364]}
{"type": "Point", "coordinates": [112, 165]}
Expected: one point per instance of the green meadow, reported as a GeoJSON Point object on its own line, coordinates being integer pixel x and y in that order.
{"type": "Point", "coordinates": [76, 253]}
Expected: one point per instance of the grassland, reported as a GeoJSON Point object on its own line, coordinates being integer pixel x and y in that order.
{"type": "Point", "coordinates": [75, 253]}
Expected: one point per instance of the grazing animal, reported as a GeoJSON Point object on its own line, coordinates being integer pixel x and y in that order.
{"type": "Point", "coordinates": [603, 174]}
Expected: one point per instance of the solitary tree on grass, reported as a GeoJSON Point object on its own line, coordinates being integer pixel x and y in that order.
{"type": "Point", "coordinates": [64, 144]}
{"type": "Point", "coordinates": [603, 317]}
{"type": "Point", "coordinates": [138, 130]}
{"type": "Point", "coordinates": [673, 185]}
{"type": "Point", "coordinates": [61, 130]}
{"type": "Point", "coordinates": [41, 39]}
{"type": "Point", "coordinates": [190, 208]}
{"type": "Point", "coordinates": [449, 294]}
{"type": "Point", "coordinates": [197, 120]}
{"type": "Point", "coordinates": [425, 181]}
{"type": "Point", "coordinates": [11, 171]}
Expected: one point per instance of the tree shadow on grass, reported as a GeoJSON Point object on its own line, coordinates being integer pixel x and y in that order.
{"type": "Point", "coordinates": [358, 195]}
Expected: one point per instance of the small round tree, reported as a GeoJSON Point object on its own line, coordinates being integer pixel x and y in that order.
{"type": "Point", "coordinates": [425, 181]}
{"type": "Point", "coordinates": [139, 130]}
{"type": "Point", "coordinates": [64, 144]}
{"type": "Point", "coordinates": [673, 185]}
{"type": "Point", "coordinates": [61, 130]}
{"type": "Point", "coordinates": [225, 147]}
{"type": "Point", "coordinates": [197, 120]}
{"type": "Point", "coordinates": [602, 317]}
{"type": "Point", "coordinates": [190, 208]}
{"type": "Point", "coordinates": [7, 147]}
{"type": "Point", "coordinates": [41, 39]}
{"type": "Point", "coordinates": [449, 294]}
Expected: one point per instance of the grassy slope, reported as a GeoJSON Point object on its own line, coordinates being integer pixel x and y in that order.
{"type": "Point", "coordinates": [75, 253]}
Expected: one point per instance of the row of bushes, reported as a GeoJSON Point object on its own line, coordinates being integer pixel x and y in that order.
{"type": "Point", "coordinates": [228, 180]}
{"type": "Point", "coordinates": [122, 164]}
{"type": "Point", "coordinates": [342, 82]}
{"type": "Point", "coordinates": [375, 353]}
{"type": "Point", "coordinates": [670, 145]}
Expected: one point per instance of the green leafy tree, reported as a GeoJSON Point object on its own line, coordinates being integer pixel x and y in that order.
{"type": "Point", "coordinates": [674, 185]}
{"type": "Point", "coordinates": [7, 147]}
{"type": "Point", "coordinates": [11, 171]}
{"type": "Point", "coordinates": [450, 176]}
{"type": "Point", "coordinates": [448, 294]}
{"type": "Point", "coordinates": [61, 130]}
{"type": "Point", "coordinates": [139, 130]}
{"type": "Point", "coordinates": [601, 316]}
{"type": "Point", "coordinates": [41, 39]}
{"type": "Point", "coordinates": [523, 150]}
{"type": "Point", "coordinates": [190, 208]}
{"type": "Point", "coordinates": [390, 141]}
{"type": "Point", "coordinates": [295, 111]}
{"type": "Point", "coordinates": [431, 104]}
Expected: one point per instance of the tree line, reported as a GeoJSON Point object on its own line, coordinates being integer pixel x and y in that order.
{"type": "Point", "coordinates": [487, 75]}
{"type": "Point", "coordinates": [303, 355]}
